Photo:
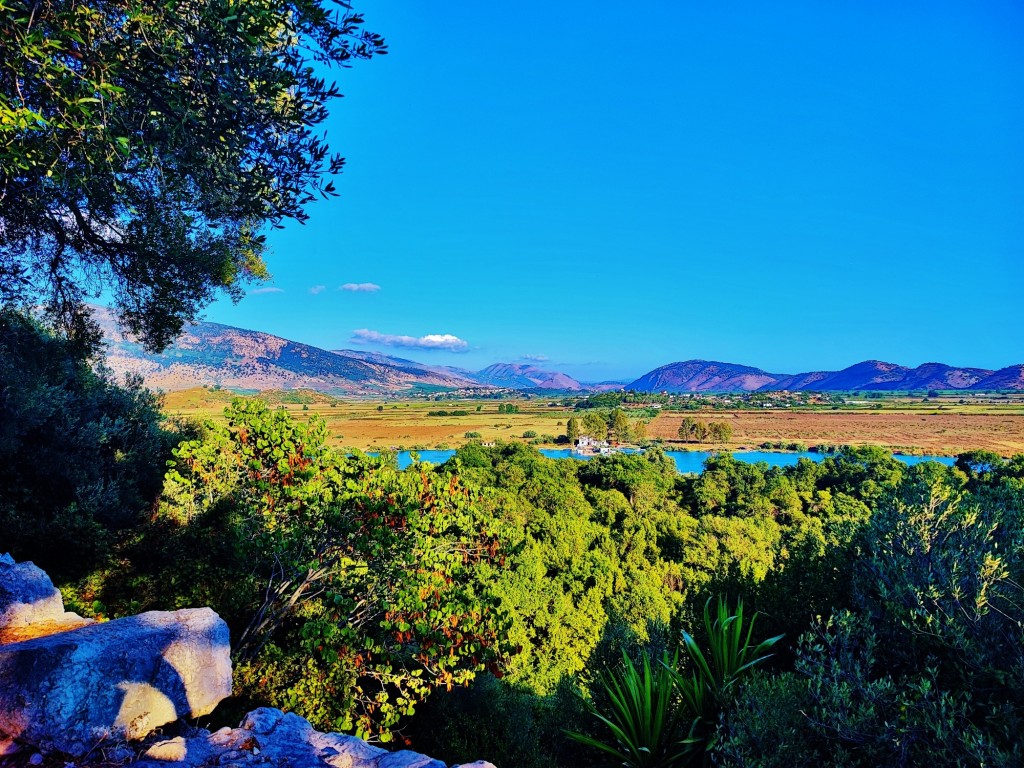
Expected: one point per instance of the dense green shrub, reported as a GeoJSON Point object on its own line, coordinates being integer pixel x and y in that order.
{"type": "Point", "coordinates": [504, 724]}
{"type": "Point", "coordinates": [83, 455]}
{"type": "Point", "coordinates": [350, 587]}
{"type": "Point", "coordinates": [926, 666]}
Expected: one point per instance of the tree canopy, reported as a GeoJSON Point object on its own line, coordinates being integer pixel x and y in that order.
{"type": "Point", "coordinates": [82, 457]}
{"type": "Point", "coordinates": [145, 146]}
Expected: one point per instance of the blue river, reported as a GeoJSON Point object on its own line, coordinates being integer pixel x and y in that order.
{"type": "Point", "coordinates": [686, 461]}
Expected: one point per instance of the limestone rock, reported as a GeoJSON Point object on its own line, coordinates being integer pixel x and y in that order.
{"type": "Point", "coordinates": [28, 597]}
{"type": "Point", "coordinates": [112, 681]}
{"type": "Point", "coordinates": [72, 688]}
{"type": "Point", "coordinates": [272, 739]}
{"type": "Point", "coordinates": [169, 750]}
{"type": "Point", "coordinates": [407, 759]}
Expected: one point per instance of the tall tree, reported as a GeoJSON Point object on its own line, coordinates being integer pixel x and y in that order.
{"type": "Point", "coordinates": [719, 431]}
{"type": "Point", "coordinates": [595, 425]}
{"type": "Point", "coordinates": [687, 429]}
{"type": "Point", "coordinates": [639, 429]}
{"type": "Point", "coordinates": [572, 429]}
{"type": "Point", "coordinates": [620, 425]}
{"type": "Point", "coordinates": [82, 456]}
{"type": "Point", "coordinates": [145, 146]}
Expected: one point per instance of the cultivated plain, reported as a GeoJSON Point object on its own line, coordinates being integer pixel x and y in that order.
{"type": "Point", "coordinates": [941, 426]}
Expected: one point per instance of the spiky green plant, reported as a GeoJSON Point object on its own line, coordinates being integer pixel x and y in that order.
{"type": "Point", "coordinates": [661, 717]}
{"type": "Point", "coordinates": [644, 716]}
{"type": "Point", "coordinates": [708, 687]}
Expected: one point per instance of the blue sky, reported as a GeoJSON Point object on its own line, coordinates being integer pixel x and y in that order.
{"type": "Point", "coordinates": [609, 187]}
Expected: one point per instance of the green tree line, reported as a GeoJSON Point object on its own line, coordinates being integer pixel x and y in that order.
{"type": "Point", "coordinates": [601, 425]}
{"type": "Point", "coordinates": [693, 430]}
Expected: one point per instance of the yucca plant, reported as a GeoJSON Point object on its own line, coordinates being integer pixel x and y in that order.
{"type": "Point", "coordinates": [649, 728]}
{"type": "Point", "coordinates": [708, 687]}
{"type": "Point", "coordinates": [660, 717]}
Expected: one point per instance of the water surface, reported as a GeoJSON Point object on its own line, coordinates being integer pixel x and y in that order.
{"type": "Point", "coordinates": [686, 461]}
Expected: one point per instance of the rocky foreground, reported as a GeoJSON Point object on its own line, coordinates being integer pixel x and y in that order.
{"type": "Point", "coordinates": [74, 692]}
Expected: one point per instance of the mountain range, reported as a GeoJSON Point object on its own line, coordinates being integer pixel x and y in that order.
{"type": "Point", "coordinates": [240, 359]}
{"type": "Point", "coordinates": [870, 375]}
{"type": "Point", "coordinates": [236, 358]}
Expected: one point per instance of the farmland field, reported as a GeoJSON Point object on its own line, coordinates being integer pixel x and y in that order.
{"type": "Point", "coordinates": [375, 425]}
{"type": "Point", "coordinates": [928, 432]}
{"type": "Point", "coordinates": [902, 425]}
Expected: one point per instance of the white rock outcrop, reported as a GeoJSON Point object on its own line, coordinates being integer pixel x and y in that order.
{"type": "Point", "coordinates": [29, 599]}
{"type": "Point", "coordinates": [71, 685]}
{"type": "Point", "coordinates": [271, 738]}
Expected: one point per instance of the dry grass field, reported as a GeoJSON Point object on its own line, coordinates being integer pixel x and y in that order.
{"type": "Point", "coordinates": [940, 433]}
{"type": "Point", "coordinates": [374, 425]}
{"type": "Point", "coordinates": [901, 425]}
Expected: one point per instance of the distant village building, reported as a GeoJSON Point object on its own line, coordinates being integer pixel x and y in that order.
{"type": "Point", "coordinates": [587, 444]}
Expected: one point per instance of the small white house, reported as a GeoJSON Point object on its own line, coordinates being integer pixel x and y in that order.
{"type": "Point", "coordinates": [587, 444]}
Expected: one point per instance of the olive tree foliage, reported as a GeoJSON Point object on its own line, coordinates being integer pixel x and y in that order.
{"type": "Point", "coordinates": [145, 146]}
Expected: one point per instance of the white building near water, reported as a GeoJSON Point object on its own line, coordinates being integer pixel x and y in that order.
{"type": "Point", "coordinates": [587, 444]}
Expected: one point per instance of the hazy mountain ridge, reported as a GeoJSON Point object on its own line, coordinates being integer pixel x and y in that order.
{"type": "Point", "coordinates": [236, 358]}
{"type": "Point", "coordinates": [410, 367]}
{"type": "Point", "coordinates": [211, 353]}
{"type": "Point", "coordinates": [869, 375]}
{"type": "Point", "coordinates": [704, 376]}
{"type": "Point", "coordinates": [520, 376]}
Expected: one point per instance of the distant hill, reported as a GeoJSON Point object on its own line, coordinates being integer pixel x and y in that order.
{"type": "Point", "coordinates": [411, 367]}
{"type": "Point", "coordinates": [235, 358]}
{"type": "Point", "coordinates": [519, 376]}
{"type": "Point", "coordinates": [875, 375]}
{"type": "Point", "coordinates": [1011, 377]}
{"type": "Point", "coordinates": [704, 376]}
{"type": "Point", "coordinates": [603, 386]}
{"type": "Point", "coordinates": [240, 359]}
{"type": "Point", "coordinates": [870, 375]}
{"type": "Point", "coordinates": [942, 376]}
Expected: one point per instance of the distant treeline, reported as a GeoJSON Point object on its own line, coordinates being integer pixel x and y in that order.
{"type": "Point", "coordinates": [693, 430]}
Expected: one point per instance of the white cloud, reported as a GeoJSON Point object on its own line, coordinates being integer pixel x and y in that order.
{"type": "Point", "coordinates": [266, 290]}
{"type": "Point", "coordinates": [534, 358]}
{"type": "Point", "coordinates": [317, 289]}
{"type": "Point", "coordinates": [360, 287]}
{"type": "Point", "coordinates": [431, 341]}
